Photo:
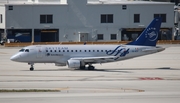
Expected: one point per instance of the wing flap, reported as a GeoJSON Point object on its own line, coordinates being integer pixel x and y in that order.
{"type": "Point", "coordinates": [95, 59]}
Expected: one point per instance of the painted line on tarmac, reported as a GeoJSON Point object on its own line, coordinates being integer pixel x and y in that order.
{"type": "Point", "coordinates": [3, 53]}
{"type": "Point", "coordinates": [98, 90]}
{"type": "Point", "coordinates": [151, 78]}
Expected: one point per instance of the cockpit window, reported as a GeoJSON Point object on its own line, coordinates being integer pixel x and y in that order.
{"type": "Point", "coordinates": [27, 50]}
{"type": "Point", "coordinates": [22, 50]}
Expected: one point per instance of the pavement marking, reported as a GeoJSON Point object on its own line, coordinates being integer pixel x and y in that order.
{"type": "Point", "coordinates": [151, 78]}
{"type": "Point", "coordinates": [3, 53]}
{"type": "Point", "coordinates": [27, 90]}
{"type": "Point", "coordinates": [98, 90]}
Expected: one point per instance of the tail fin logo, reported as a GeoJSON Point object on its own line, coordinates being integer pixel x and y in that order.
{"type": "Point", "coordinates": [151, 34]}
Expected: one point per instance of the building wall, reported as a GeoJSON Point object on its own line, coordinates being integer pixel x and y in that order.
{"type": "Point", "coordinates": [79, 17]}
{"type": "Point", "coordinates": [2, 12]}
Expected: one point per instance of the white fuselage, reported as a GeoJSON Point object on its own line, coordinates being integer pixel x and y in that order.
{"type": "Point", "coordinates": [61, 53]}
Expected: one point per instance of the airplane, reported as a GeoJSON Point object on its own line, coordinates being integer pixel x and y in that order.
{"type": "Point", "coordinates": [79, 56]}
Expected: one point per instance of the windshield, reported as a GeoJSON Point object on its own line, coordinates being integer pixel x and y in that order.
{"type": "Point", "coordinates": [22, 50]}
{"type": "Point", "coordinates": [27, 50]}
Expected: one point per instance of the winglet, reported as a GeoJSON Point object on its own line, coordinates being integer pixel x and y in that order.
{"type": "Point", "coordinates": [149, 36]}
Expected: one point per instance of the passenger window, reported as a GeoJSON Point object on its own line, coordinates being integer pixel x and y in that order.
{"type": "Point", "coordinates": [51, 50]}
{"type": "Point", "coordinates": [63, 50]}
{"type": "Point", "coordinates": [89, 50]}
{"type": "Point", "coordinates": [76, 50]}
{"type": "Point", "coordinates": [71, 50]}
{"type": "Point", "coordinates": [97, 50]}
{"type": "Point", "coordinates": [84, 50]}
{"type": "Point", "coordinates": [59, 50]}
{"type": "Point", "coordinates": [54, 50]}
{"type": "Point", "coordinates": [79, 50]}
{"type": "Point", "coordinates": [27, 50]}
{"type": "Point", "coordinates": [93, 50]}
{"type": "Point", "coordinates": [67, 50]}
{"type": "Point", "coordinates": [46, 50]}
{"type": "Point", "coordinates": [101, 50]}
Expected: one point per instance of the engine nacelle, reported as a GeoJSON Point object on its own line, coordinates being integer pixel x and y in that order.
{"type": "Point", "coordinates": [74, 63]}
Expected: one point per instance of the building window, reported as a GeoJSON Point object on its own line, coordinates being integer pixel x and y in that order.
{"type": "Point", "coordinates": [113, 36]}
{"type": "Point", "coordinates": [136, 18]}
{"type": "Point", "coordinates": [49, 18]}
{"type": "Point", "coordinates": [163, 16]}
{"type": "Point", "coordinates": [107, 18]}
{"type": "Point", "coordinates": [10, 7]}
{"type": "Point", "coordinates": [1, 18]}
{"type": "Point", "coordinates": [100, 37]}
{"type": "Point", "coordinates": [46, 18]}
{"type": "Point", "coordinates": [124, 7]}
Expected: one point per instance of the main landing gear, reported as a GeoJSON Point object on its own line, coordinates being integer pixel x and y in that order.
{"type": "Point", "coordinates": [31, 68]}
{"type": "Point", "coordinates": [90, 67]}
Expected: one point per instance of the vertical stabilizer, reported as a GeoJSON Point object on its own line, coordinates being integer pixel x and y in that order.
{"type": "Point", "coordinates": [149, 36]}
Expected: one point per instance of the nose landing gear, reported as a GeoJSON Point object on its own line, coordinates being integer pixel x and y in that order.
{"type": "Point", "coordinates": [31, 68]}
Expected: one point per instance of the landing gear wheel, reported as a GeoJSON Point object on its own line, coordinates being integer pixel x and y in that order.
{"type": "Point", "coordinates": [31, 69]}
{"type": "Point", "coordinates": [91, 68]}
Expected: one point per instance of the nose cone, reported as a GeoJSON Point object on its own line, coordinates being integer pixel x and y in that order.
{"type": "Point", "coordinates": [14, 58]}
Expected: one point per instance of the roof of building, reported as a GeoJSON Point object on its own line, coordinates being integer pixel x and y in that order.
{"type": "Point", "coordinates": [93, 2]}
{"type": "Point", "coordinates": [124, 2]}
{"type": "Point", "coordinates": [33, 2]}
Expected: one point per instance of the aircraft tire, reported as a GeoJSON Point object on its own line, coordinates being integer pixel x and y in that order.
{"type": "Point", "coordinates": [91, 68]}
{"type": "Point", "coordinates": [31, 69]}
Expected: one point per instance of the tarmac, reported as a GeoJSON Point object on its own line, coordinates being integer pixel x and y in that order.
{"type": "Point", "coordinates": [153, 78]}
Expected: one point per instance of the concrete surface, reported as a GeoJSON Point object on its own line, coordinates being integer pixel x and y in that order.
{"type": "Point", "coordinates": [149, 79]}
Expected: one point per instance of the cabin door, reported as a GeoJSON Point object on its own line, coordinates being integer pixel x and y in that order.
{"type": "Point", "coordinates": [39, 52]}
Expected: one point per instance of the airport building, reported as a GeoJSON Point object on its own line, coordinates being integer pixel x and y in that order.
{"type": "Point", "coordinates": [82, 20]}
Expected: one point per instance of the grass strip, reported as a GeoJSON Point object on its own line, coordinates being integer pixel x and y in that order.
{"type": "Point", "coordinates": [28, 90]}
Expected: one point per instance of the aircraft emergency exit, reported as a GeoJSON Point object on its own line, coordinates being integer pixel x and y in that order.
{"type": "Point", "coordinates": [78, 56]}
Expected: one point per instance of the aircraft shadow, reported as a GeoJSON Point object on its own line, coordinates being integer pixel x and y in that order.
{"type": "Point", "coordinates": [95, 70]}
{"type": "Point", "coordinates": [123, 70]}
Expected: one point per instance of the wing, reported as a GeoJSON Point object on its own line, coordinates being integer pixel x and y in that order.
{"type": "Point", "coordinates": [101, 59]}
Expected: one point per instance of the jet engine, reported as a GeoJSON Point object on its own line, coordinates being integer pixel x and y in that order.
{"type": "Point", "coordinates": [74, 63]}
